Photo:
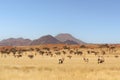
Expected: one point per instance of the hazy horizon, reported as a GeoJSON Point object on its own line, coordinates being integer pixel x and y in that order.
{"type": "Point", "coordinates": [92, 21]}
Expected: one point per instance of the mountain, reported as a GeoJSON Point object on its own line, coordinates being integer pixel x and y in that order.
{"type": "Point", "coordinates": [48, 39]}
{"type": "Point", "coordinates": [15, 42]}
{"type": "Point", "coordinates": [64, 37]}
{"type": "Point", "coordinates": [70, 42]}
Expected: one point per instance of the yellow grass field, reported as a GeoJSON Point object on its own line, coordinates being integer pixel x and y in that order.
{"type": "Point", "coordinates": [47, 68]}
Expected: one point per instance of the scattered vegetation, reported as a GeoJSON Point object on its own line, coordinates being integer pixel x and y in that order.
{"type": "Point", "coordinates": [60, 63]}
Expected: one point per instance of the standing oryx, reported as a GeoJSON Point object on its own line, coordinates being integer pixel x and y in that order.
{"type": "Point", "coordinates": [86, 60]}
{"type": "Point", "coordinates": [101, 59]}
{"type": "Point", "coordinates": [61, 60]}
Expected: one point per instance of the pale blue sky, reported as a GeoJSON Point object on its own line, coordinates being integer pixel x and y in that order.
{"type": "Point", "coordinates": [93, 21]}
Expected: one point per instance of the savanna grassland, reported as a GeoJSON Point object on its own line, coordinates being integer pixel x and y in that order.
{"type": "Point", "coordinates": [42, 62]}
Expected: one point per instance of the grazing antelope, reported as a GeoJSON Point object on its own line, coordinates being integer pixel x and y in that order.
{"type": "Point", "coordinates": [86, 60]}
{"type": "Point", "coordinates": [30, 56]}
{"type": "Point", "coordinates": [101, 59]}
{"type": "Point", "coordinates": [116, 56]}
{"type": "Point", "coordinates": [69, 57]}
{"type": "Point", "coordinates": [18, 56]}
{"type": "Point", "coordinates": [61, 61]}
{"type": "Point", "coordinates": [94, 52]}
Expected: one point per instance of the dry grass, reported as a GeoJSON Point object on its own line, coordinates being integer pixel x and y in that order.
{"type": "Point", "coordinates": [47, 68]}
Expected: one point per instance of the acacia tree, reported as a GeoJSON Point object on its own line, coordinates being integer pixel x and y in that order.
{"type": "Point", "coordinates": [37, 49]}
{"type": "Point", "coordinates": [79, 52]}
{"type": "Point", "coordinates": [41, 53]}
{"type": "Point", "coordinates": [31, 49]}
{"type": "Point", "coordinates": [58, 53]}
{"type": "Point", "coordinates": [64, 52]}
{"type": "Point", "coordinates": [46, 48]}
{"type": "Point", "coordinates": [66, 47]}
{"type": "Point", "coordinates": [105, 46]}
{"type": "Point", "coordinates": [5, 51]}
{"type": "Point", "coordinates": [112, 49]}
{"type": "Point", "coordinates": [71, 51]}
{"type": "Point", "coordinates": [82, 46]}
{"type": "Point", "coordinates": [14, 51]}
{"type": "Point", "coordinates": [20, 51]}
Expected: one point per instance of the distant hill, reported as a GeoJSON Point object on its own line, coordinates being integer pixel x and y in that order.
{"type": "Point", "coordinates": [65, 37]}
{"type": "Point", "coordinates": [48, 39]}
{"type": "Point", "coordinates": [70, 42]}
{"type": "Point", "coordinates": [15, 42]}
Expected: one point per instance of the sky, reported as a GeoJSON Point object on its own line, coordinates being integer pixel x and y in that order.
{"type": "Point", "coordinates": [93, 21]}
